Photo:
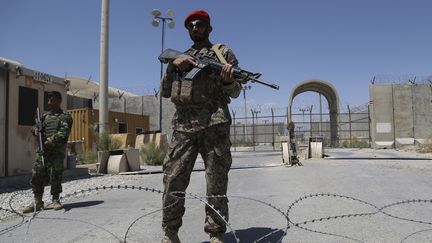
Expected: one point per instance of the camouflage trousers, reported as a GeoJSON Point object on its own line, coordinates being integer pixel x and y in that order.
{"type": "Point", "coordinates": [50, 173]}
{"type": "Point", "coordinates": [213, 144]}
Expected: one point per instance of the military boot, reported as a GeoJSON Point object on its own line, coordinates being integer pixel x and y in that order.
{"type": "Point", "coordinates": [170, 238]}
{"type": "Point", "coordinates": [217, 238]}
{"type": "Point", "coordinates": [36, 205]}
{"type": "Point", "coordinates": [56, 202]}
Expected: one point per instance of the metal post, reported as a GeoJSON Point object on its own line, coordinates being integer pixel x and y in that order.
{"type": "Point", "coordinates": [273, 130]}
{"type": "Point", "coordinates": [103, 87]}
{"type": "Point", "coordinates": [369, 127]}
{"type": "Point", "coordinates": [157, 18]}
{"type": "Point", "coordinates": [234, 127]}
{"type": "Point", "coordinates": [245, 112]}
{"type": "Point", "coordinates": [253, 130]}
{"type": "Point", "coordinates": [287, 117]}
{"type": "Point", "coordinates": [310, 120]}
{"type": "Point", "coordinates": [349, 122]}
{"type": "Point", "coordinates": [320, 126]}
{"type": "Point", "coordinates": [161, 74]}
{"type": "Point", "coordinates": [244, 88]}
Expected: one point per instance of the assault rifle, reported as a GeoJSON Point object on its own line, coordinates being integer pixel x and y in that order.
{"type": "Point", "coordinates": [204, 62]}
{"type": "Point", "coordinates": [39, 126]}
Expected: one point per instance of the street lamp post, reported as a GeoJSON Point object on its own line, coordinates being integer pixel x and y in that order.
{"type": "Point", "coordinates": [157, 18]}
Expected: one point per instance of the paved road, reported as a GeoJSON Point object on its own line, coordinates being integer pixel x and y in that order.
{"type": "Point", "coordinates": [359, 188]}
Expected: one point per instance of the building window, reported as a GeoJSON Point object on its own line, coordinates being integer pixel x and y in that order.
{"type": "Point", "coordinates": [46, 100]}
{"type": "Point", "coordinates": [27, 104]}
{"type": "Point", "coordinates": [122, 127]}
{"type": "Point", "coordinates": [139, 130]}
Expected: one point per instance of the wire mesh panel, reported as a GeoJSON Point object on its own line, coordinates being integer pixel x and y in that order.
{"type": "Point", "coordinates": [353, 129]}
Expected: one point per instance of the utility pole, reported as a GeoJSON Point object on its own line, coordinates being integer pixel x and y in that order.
{"type": "Point", "coordinates": [103, 85]}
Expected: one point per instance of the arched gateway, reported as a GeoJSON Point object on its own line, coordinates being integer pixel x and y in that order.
{"type": "Point", "coordinates": [329, 92]}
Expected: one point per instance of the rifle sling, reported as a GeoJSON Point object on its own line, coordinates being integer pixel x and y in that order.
{"type": "Point", "coordinates": [218, 53]}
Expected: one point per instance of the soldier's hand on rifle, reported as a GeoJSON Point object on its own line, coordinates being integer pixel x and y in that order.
{"type": "Point", "coordinates": [227, 73]}
{"type": "Point", "coordinates": [184, 63]}
{"type": "Point", "coordinates": [36, 131]}
{"type": "Point", "coordinates": [48, 143]}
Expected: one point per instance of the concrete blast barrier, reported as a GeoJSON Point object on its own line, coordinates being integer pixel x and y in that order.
{"type": "Point", "coordinates": [160, 139]}
{"type": "Point", "coordinates": [132, 156]}
{"type": "Point", "coordinates": [125, 139]}
{"type": "Point", "coordinates": [285, 153]}
{"type": "Point", "coordinates": [117, 161]}
{"type": "Point", "coordinates": [117, 164]}
{"type": "Point", "coordinates": [316, 147]}
{"type": "Point", "coordinates": [103, 161]}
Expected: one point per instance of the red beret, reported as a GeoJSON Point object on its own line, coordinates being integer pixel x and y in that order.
{"type": "Point", "coordinates": [199, 14]}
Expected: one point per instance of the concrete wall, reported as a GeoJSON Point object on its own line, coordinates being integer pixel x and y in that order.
{"type": "Point", "coordinates": [422, 112]}
{"type": "Point", "coordinates": [401, 114]}
{"type": "Point", "coordinates": [382, 130]}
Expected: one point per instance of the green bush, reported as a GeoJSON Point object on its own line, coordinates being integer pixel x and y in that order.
{"type": "Point", "coordinates": [354, 144]}
{"type": "Point", "coordinates": [89, 157]}
{"type": "Point", "coordinates": [105, 142]}
{"type": "Point", "coordinates": [151, 154]}
{"type": "Point", "coordinates": [426, 147]}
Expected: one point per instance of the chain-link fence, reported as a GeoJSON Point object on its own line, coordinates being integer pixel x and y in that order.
{"type": "Point", "coordinates": [353, 129]}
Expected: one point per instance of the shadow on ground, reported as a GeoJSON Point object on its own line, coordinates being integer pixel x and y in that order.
{"type": "Point", "coordinates": [67, 207]}
{"type": "Point", "coordinates": [255, 234]}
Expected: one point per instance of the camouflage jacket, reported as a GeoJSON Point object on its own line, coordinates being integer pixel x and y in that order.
{"type": "Point", "coordinates": [213, 112]}
{"type": "Point", "coordinates": [56, 128]}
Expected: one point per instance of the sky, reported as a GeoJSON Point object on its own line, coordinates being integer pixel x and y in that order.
{"type": "Point", "coordinates": [344, 42]}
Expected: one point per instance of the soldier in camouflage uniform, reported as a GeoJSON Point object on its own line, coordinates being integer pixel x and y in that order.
{"type": "Point", "coordinates": [56, 125]}
{"type": "Point", "coordinates": [201, 124]}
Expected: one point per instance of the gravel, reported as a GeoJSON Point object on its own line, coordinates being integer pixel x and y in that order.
{"type": "Point", "coordinates": [13, 199]}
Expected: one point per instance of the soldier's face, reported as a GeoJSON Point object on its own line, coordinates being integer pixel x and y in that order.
{"type": "Point", "coordinates": [54, 103]}
{"type": "Point", "coordinates": [199, 30]}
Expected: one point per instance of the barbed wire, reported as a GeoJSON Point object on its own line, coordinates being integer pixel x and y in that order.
{"type": "Point", "coordinates": [401, 79]}
{"type": "Point", "coordinates": [28, 219]}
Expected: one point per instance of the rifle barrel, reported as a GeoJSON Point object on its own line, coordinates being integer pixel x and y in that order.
{"type": "Point", "coordinates": [273, 86]}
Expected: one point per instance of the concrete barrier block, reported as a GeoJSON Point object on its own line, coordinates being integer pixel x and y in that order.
{"type": "Point", "coordinates": [117, 164]}
{"type": "Point", "coordinates": [103, 161]}
{"type": "Point", "coordinates": [133, 159]}
{"type": "Point", "coordinates": [161, 141]}
{"type": "Point", "coordinates": [285, 153]}
{"type": "Point", "coordinates": [316, 150]}
{"type": "Point", "coordinates": [139, 141]}
{"type": "Point", "coordinates": [126, 139]}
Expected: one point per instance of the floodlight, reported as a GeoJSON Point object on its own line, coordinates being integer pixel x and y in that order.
{"type": "Point", "coordinates": [156, 12]}
{"type": "Point", "coordinates": [171, 24]}
{"type": "Point", "coordinates": [155, 22]}
{"type": "Point", "coordinates": [170, 13]}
